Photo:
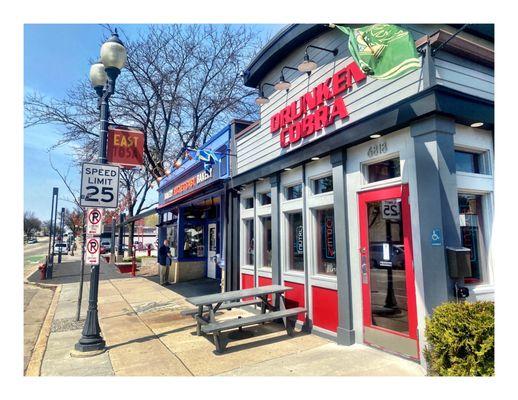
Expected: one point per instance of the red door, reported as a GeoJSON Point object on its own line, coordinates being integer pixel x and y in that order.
{"type": "Point", "coordinates": [386, 262]}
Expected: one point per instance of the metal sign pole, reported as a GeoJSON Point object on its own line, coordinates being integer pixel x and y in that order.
{"type": "Point", "coordinates": [91, 339]}
{"type": "Point", "coordinates": [54, 196]}
{"type": "Point", "coordinates": [81, 277]}
{"type": "Point", "coordinates": [62, 226]}
{"type": "Point", "coordinates": [50, 266]}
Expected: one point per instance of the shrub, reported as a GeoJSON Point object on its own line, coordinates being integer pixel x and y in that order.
{"type": "Point", "coordinates": [461, 339]}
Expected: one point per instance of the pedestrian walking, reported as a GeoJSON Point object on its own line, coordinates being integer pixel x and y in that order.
{"type": "Point", "coordinates": [164, 261]}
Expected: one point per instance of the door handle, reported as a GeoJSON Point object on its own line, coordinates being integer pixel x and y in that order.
{"type": "Point", "coordinates": [363, 250]}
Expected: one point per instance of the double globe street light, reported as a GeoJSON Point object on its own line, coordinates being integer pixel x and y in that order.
{"type": "Point", "coordinates": [103, 75]}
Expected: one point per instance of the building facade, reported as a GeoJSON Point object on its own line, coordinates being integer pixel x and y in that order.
{"type": "Point", "coordinates": [355, 191]}
{"type": "Point", "coordinates": [191, 210]}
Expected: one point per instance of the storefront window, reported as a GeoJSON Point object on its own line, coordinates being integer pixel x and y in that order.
{"type": "Point", "coordinates": [467, 162]}
{"type": "Point", "coordinates": [193, 246]}
{"type": "Point", "coordinates": [249, 242]}
{"type": "Point", "coordinates": [294, 192]}
{"type": "Point", "coordinates": [265, 198]}
{"type": "Point", "coordinates": [326, 246]}
{"type": "Point", "coordinates": [267, 241]}
{"type": "Point", "coordinates": [295, 242]}
{"type": "Point", "coordinates": [471, 231]}
{"type": "Point", "coordinates": [387, 169]}
{"type": "Point", "coordinates": [248, 202]}
{"type": "Point", "coordinates": [171, 237]}
{"type": "Point", "coordinates": [323, 185]}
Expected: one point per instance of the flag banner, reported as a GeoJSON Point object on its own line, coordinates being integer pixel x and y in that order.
{"type": "Point", "coordinates": [383, 51]}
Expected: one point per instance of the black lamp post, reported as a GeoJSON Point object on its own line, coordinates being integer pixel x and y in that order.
{"type": "Point", "coordinates": [102, 75]}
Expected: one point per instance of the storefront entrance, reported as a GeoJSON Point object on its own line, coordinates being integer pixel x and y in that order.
{"type": "Point", "coordinates": [211, 252]}
{"type": "Point", "coordinates": [388, 290]}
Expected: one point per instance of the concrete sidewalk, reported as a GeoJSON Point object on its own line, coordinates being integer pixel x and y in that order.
{"type": "Point", "coordinates": [147, 336]}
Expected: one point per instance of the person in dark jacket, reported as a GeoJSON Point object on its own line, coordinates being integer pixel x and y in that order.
{"type": "Point", "coordinates": [164, 252]}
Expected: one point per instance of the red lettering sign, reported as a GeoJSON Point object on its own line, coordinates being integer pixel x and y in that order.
{"type": "Point", "coordinates": [311, 112]}
{"type": "Point", "coordinates": [125, 146]}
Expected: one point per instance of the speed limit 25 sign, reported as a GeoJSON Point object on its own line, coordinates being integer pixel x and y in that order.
{"type": "Point", "coordinates": [99, 185]}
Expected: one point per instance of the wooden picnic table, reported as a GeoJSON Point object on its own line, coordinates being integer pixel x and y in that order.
{"type": "Point", "coordinates": [208, 305]}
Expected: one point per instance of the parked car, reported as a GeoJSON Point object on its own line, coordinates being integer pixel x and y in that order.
{"type": "Point", "coordinates": [105, 246]}
{"type": "Point", "coordinates": [62, 246]}
{"type": "Point", "coordinates": [32, 240]}
{"type": "Point", "coordinates": [397, 256]}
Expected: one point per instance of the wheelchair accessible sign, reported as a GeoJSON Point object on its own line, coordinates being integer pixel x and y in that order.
{"type": "Point", "coordinates": [436, 237]}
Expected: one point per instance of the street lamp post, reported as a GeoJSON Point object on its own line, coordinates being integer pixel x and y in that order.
{"type": "Point", "coordinates": [103, 75]}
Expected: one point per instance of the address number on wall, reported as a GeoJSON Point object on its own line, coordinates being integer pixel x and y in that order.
{"type": "Point", "coordinates": [377, 149]}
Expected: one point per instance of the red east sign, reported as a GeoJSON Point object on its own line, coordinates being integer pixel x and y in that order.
{"type": "Point", "coordinates": [317, 109]}
{"type": "Point", "coordinates": [125, 146]}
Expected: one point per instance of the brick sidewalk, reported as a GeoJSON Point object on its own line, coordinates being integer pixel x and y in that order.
{"type": "Point", "coordinates": [147, 336]}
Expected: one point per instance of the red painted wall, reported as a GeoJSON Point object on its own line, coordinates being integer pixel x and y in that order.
{"type": "Point", "coordinates": [265, 281]}
{"type": "Point", "coordinates": [295, 297]}
{"type": "Point", "coordinates": [325, 308]}
{"type": "Point", "coordinates": [247, 282]}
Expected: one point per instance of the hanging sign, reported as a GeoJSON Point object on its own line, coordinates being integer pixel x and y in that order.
{"type": "Point", "coordinates": [94, 218]}
{"type": "Point", "coordinates": [390, 209]}
{"type": "Point", "coordinates": [125, 146]}
{"type": "Point", "coordinates": [299, 240]}
{"type": "Point", "coordinates": [99, 185]}
{"type": "Point", "coordinates": [330, 237]}
{"type": "Point", "coordinates": [92, 250]}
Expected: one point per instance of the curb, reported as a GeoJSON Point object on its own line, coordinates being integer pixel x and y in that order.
{"type": "Point", "coordinates": [34, 366]}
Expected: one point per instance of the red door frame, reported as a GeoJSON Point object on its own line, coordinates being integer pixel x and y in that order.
{"type": "Point", "coordinates": [394, 192]}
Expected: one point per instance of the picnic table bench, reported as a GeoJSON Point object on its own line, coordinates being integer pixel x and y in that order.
{"type": "Point", "coordinates": [208, 305]}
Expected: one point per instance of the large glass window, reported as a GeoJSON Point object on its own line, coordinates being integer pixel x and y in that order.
{"type": "Point", "coordinates": [171, 237]}
{"type": "Point", "coordinates": [293, 192]}
{"type": "Point", "coordinates": [323, 185]}
{"type": "Point", "coordinates": [266, 223]}
{"type": "Point", "coordinates": [467, 162]}
{"type": "Point", "coordinates": [193, 241]}
{"type": "Point", "coordinates": [383, 170]}
{"type": "Point", "coordinates": [248, 202]}
{"type": "Point", "coordinates": [471, 231]}
{"type": "Point", "coordinates": [265, 198]}
{"type": "Point", "coordinates": [249, 242]}
{"type": "Point", "coordinates": [326, 245]}
{"type": "Point", "coordinates": [295, 242]}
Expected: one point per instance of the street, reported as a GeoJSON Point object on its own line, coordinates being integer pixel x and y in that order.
{"type": "Point", "coordinates": [34, 254]}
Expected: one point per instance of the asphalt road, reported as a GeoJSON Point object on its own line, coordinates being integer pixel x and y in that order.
{"type": "Point", "coordinates": [34, 254]}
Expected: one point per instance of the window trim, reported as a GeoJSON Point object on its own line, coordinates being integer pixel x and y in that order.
{"type": "Point", "coordinates": [312, 181]}
{"type": "Point", "coordinates": [289, 185]}
{"type": "Point", "coordinates": [484, 268]}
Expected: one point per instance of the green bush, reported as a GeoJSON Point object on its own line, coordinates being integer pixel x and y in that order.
{"type": "Point", "coordinates": [461, 339]}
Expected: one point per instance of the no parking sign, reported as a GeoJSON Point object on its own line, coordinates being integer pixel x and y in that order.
{"type": "Point", "coordinates": [93, 249]}
{"type": "Point", "coordinates": [94, 217]}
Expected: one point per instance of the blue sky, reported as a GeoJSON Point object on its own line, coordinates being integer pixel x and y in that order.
{"type": "Point", "coordinates": [56, 57]}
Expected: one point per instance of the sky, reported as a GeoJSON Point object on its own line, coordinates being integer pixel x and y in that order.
{"type": "Point", "coordinates": [57, 57]}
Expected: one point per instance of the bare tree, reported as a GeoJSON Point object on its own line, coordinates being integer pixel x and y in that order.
{"type": "Point", "coordinates": [181, 84]}
{"type": "Point", "coordinates": [31, 224]}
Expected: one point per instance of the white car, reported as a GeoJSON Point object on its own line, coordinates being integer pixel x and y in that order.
{"type": "Point", "coordinates": [62, 246]}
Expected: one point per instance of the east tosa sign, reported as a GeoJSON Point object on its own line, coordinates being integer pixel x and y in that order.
{"type": "Point", "coordinates": [125, 146]}
{"type": "Point", "coordinates": [317, 109]}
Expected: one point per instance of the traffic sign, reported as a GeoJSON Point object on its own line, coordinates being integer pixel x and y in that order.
{"type": "Point", "coordinates": [94, 218]}
{"type": "Point", "coordinates": [93, 249]}
{"type": "Point", "coordinates": [99, 185]}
